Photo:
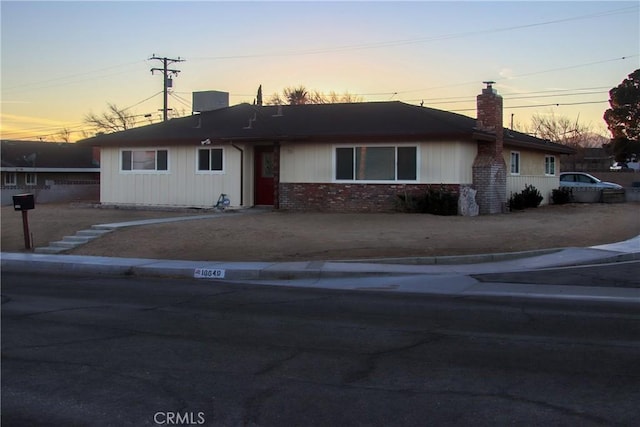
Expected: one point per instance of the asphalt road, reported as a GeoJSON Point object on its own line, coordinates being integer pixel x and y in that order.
{"type": "Point", "coordinates": [129, 351]}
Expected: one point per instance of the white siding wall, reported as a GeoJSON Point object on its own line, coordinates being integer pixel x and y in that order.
{"type": "Point", "coordinates": [179, 186]}
{"type": "Point", "coordinates": [301, 162]}
{"type": "Point", "coordinates": [544, 184]}
{"type": "Point", "coordinates": [447, 162]}
{"type": "Point", "coordinates": [532, 172]}
{"type": "Point", "coordinates": [439, 162]}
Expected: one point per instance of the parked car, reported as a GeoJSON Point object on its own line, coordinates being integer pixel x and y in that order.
{"type": "Point", "coordinates": [584, 180]}
{"type": "Point", "coordinates": [618, 166]}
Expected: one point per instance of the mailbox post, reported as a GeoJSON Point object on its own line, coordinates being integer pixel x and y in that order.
{"type": "Point", "coordinates": [24, 203]}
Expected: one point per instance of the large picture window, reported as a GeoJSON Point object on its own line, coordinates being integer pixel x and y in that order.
{"type": "Point", "coordinates": [210, 160]}
{"type": "Point", "coordinates": [376, 163]}
{"type": "Point", "coordinates": [145, 160]}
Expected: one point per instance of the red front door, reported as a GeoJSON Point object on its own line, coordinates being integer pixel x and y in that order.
{"type": "Point", "coordinates": [264, 175]}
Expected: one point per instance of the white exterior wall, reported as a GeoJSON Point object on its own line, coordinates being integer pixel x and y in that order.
{"type": "Point", "coordinates": [532, 172]}
{"type": "Point", "coordinates": [181, 185]}
{"type": "Point", "coordinates": [438, 162]}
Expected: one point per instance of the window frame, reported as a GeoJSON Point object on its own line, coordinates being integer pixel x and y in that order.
{"type": "Point", "coordinates": [354, 179]}
{"type": "Point", "coordinates": [13, 182]}
{"type": "Point", "coordinates": [517, 163]}
{"type": "Point", "coordinates": [210, 171]}
{"type": "Point", "coordinates": [144, 171]}
{"type": "Point", "coordinates": [549, 160]}
{"type": "Point", "coordinates": [28, 182]}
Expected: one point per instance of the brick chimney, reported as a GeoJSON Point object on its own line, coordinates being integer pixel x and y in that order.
{"type": "Point", "coordinates": [489, 169]}
{"type": "Point", "coordinates": [490, 116]}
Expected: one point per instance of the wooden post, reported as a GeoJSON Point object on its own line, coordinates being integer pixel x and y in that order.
{"type": "Point", "coordinates": [25, 228]}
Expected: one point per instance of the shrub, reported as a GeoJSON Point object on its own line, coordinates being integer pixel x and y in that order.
{"type": "Point", "coordinates": [561, 196]}
{"type": "Point", "coordinates": [516, 202]}
{"type": "Point", "coordinates": [530, 197]}
{"type": "Point", "coordinates": [441, 202]}
{"type": "Point", "coordinates": [436, 202]}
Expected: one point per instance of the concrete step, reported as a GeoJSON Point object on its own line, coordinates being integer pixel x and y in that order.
{"type": "Point", "coordinates": [70, 242]}
{"type": "Point", "coordinates": [79, 239]}
{"type": "Point", "coordinates": [94, 232]}
{"type": "Point", "coordinates": [105, 228]}
{"type": "Point", "coordinates": [65, 244]}
{"type": "Point", "coordinates": [50, 250]}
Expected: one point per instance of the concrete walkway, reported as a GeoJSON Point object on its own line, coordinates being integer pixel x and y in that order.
{"type": "Point", "coordinates": [437, 275]}
{"type": "Point", "coordinates": [448, 275]}
{"type": "Point", "coordinates": [85, 236]}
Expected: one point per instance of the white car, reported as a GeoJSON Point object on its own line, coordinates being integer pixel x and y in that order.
{"type": "Point", "coordinates": [584, 180]}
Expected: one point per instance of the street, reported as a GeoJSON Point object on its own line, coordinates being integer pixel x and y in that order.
{"type": "Point", "coordinates": [100, 351]}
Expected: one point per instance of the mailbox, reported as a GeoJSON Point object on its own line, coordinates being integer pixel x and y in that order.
{"type": "Point", "coordinates": [23, 202]}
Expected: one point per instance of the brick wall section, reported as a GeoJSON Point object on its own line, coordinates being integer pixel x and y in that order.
{"type": "Point", "coordinates": [490, 180]}
{"type": "Point", "coordinates": [330, 197]}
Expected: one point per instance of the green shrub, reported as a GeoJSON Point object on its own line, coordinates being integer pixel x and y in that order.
{"type": "Point", "coordinates": [561, 196]}
{"type": "Point", "coordinates": [530, 197]}
{"type": "Point", "coordinates": [517, 202]}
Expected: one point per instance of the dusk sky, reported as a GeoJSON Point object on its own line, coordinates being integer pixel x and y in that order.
{"type": "Point", "coordinates": [62, 60]}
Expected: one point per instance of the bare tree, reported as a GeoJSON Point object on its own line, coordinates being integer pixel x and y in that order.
{"type": "Point", "coordinates": [565, 131]}
{"type": "Point", "coordinates": [113, 120]}
{"type": "Point", "coordinates": [64, 135]}
{"type": "Point", "coordinates": [300, 95]}
{"type": "Point", "coordinates": [333, 98]}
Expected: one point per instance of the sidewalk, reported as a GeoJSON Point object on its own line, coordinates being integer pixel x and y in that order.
{"type": "Point", "coordinates": [437, 275]}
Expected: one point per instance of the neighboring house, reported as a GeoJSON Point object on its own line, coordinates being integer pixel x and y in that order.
{"type": "Point", "coordinates": [328, 157]}
{"type": "Point", "coordinates": [53, 171]}
{"type": "Point", "coordinates": [587, 159]}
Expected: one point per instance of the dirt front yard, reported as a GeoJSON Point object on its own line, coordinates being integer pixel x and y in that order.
{"type": "Point", "coordinates": [285, 236]}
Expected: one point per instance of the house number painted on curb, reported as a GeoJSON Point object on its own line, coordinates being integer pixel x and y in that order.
{"type": "Point", "coordinates": [208, 273]}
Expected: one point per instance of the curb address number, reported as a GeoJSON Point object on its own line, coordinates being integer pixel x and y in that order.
{"type": "Point", "coordinates": [208, 273]}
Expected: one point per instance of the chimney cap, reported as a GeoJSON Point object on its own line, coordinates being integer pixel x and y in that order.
{"type": "Point", "coordinates": [489, 88]}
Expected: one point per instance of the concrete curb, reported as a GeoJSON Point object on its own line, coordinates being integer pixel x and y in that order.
{"type": "Point", "coordinates": [69, 264]}
{"type": "Point", "coordinates": [458, 259]}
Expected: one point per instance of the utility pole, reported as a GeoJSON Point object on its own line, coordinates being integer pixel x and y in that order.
{"type": "Point", "coordinates": [167, 73]}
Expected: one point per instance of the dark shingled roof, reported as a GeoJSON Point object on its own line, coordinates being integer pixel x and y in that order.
{"type": "Point", "coordinates": [314, 122]}
{"type": "Point", "coordinates": [47, 155]}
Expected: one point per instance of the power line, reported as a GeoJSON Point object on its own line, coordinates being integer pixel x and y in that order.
{"type": "Point", "coordinates": [540, 105]}
{"type": "Point", "coordinates": [475, 82]}
{"type": "Point", "coordinates": [393, 43]}
{"type": "Point", "coordinates": [144, 100]}
{"type": "Point", "coordinates": [462, 99]}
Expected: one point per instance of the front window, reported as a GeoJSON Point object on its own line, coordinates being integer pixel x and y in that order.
{"type": "Point", "coordinates": [210, 160]}
{"type": "Point", "coordinates": [550, 165]}
{"type": "Point", "coordinates": [31, 179]}
{"type": "Point", "coordinates": [10, 179]}
{"type": "Point", "coordinates": [144, 160]}
{"type": "Point", "coordinates": [374, 163]}
{"type": "Point", "coordinates": [515, 163]}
